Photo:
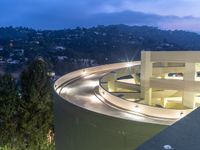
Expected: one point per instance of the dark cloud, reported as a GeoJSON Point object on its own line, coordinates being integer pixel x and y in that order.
{"type": "Point", "coordinates": [55, 14]}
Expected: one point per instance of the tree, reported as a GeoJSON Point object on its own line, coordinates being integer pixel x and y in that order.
{"type": "Point", "coordinates": [36, 105]}
{"type": "Point", "coordinates": [9, 102]}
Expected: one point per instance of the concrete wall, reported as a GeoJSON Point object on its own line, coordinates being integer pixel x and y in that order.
{"type": "Point", "coordinates": [80, 129]}
{"type": "Point", "coordinates": [141, 108]}
{"type": "Point", "coordinates": [174, 56]}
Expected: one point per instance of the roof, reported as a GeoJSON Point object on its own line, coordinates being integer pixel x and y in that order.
{"type": "Point", "coordinates": [183, 135]}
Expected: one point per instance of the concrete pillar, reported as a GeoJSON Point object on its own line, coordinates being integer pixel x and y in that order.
{"type": "Point", "coordinates": [189, 99]}
{"type": "Point", "coordinates": [163, 102]}
{"type": "Point", "coordinates": [145, 74]}
{"type": "Point", "coordinates": [136, 78]}
{"type": "Point", "coordinates": [189, 75]}
{"type": "Point", "coordinates": [146, 66]}
{"type": "Point", "coordinates": [148, 95]}
{"type": "Point", "coordinates": [190, 71]}
{"type": "Point", "coordinates": [111, 83]}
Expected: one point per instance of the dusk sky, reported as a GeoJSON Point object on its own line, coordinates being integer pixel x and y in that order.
{"type": "Point", "coordinates": [58, 14]}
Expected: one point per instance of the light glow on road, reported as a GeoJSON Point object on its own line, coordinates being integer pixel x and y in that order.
{"type": "Point", "coordinates": [91, 83]}
{"type": "Point", "coordinates": [136, 108]}
{"type": "Point", "coordinates": [132, 116]}
{"type": "Point", "coordinates": [90, 76]}
{"type": "Point", "coordinates": [129, 64]}
{"type": "Point", "coordinates": [58, 90]}
{"type": "Point", "coordinates": [181, 115]}
{"type": "Point", "coordinates": [94, 99]}
{"type": "Point", "coordinates": [84, 72]}
{"type": "Point", "coordinates": [66, 90]}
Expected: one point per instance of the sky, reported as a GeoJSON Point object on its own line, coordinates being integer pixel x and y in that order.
{"type": "Point", "coordinates": [59, 14]}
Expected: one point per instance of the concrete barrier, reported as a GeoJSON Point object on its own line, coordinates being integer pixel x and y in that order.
{"type": "Point", "coordinates": [139, 108]}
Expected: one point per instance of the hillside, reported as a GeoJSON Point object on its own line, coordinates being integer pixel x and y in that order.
{"type": "Point", "coordinates": [90, 46]}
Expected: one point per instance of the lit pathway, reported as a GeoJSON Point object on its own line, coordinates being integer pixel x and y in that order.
{"type": "Point", "coordinates": [80, 92]}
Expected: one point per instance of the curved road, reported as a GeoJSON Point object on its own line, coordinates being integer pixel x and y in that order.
{"type": "Point", "coordinates": [81, 92]}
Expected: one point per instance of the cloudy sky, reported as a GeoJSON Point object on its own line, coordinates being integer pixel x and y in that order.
{"type": "Point", "coordinates": [57, 14]}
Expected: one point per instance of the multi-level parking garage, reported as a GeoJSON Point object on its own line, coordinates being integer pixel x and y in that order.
{"type": "Point", "coordinates": [119, 106]}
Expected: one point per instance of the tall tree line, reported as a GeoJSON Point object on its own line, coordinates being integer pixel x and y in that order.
{"type": "Point", "coordinates": [26, 118]}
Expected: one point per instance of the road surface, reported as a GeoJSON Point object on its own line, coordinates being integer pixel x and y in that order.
{"type": "Point", "coordinates": [81, 92]}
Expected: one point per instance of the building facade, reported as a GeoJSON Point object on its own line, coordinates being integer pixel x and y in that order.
{"type": "Point", "coordinates": [175, 75]}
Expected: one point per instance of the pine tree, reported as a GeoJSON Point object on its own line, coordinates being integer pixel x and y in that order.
{"type": "Point", "coordinates": [36, 105]}
{"type": "Point", "coordinates": [9, 102]}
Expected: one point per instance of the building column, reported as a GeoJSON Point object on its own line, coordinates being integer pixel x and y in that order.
{"type": "Point", "coordinates": [148, 95]}
{"type": "Point", "coordinates": [190, 72]}
{"type": "Point", "coordinates": [146, 66]}
{"type": "Point", "coordinates": [189, 75]}
{"type": "Point", "coordinates": [189, 99]}
{"type": "Point", "coordinates": [111, 83]}
{"type": "Point", "coordinates": [145, 75]}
